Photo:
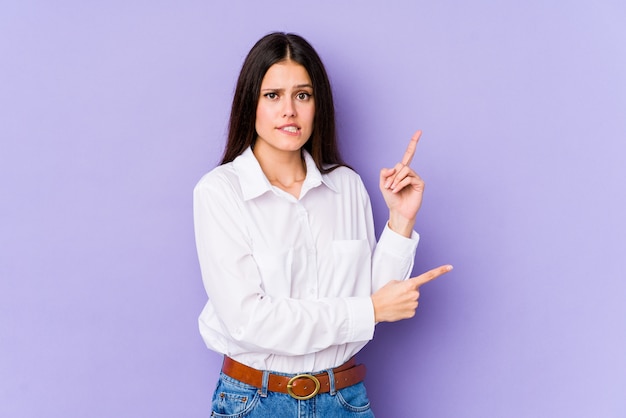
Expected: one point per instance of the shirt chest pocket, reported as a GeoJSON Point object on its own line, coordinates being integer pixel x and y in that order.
{"type": "Point", "coordinates": [352, 264]}
{"type": "Point", "coordinates": [275, 268]}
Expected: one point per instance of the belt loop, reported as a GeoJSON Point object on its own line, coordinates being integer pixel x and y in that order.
{"type": "Point", "coordinates": [264, 385]}
{"type": "Point", "coordinates": [331, 382]}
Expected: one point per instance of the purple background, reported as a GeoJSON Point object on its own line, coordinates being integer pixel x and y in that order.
{"type": "Point", "coordinates": [111, 111]}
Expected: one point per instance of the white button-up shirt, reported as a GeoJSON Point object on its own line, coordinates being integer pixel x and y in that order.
{"type": "Point", "coordinates": [289, 280]}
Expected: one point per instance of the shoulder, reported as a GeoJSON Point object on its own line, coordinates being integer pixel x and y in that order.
{"type": "Point", "coordinates": [222, 178]}
{"type": "Point", "coordinates": [343, 173]}
{"type": "Point", "coordinates": [345, 180]}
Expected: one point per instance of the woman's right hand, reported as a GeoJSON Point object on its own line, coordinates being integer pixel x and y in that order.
{"type": "Point", "coordinates": [398, 300]}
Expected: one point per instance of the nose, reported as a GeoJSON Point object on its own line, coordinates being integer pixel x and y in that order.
{"type": "Point", "coordinates": [289, 109]}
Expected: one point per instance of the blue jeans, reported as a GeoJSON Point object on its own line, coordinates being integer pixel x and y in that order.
{"type": "Point", "coordinates": [233, 398]}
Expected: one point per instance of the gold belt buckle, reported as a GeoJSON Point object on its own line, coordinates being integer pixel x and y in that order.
{"type": "Point", "coordinates": [303, 376]}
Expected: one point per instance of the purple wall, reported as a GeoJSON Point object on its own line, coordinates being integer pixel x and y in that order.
{"type": "Point", "coordinates": [111, 111]}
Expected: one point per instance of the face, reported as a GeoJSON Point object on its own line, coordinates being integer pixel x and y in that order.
{"type": "Point", "coordinates": [286, 109]}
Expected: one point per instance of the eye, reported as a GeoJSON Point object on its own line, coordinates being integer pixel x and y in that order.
{"type": "Point", "coordinates": [303, 95]}
{"type": "Point", "coordinates": [271, 95]}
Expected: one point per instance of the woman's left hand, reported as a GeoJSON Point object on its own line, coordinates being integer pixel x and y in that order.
{"type": "Point", "coordinates": [402, 189]}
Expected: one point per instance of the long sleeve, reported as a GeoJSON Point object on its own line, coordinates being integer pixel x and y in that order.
{"type": "Point", "coordinates": [394, 254]}
{"type": "Point", "coordinates": [393, 258]}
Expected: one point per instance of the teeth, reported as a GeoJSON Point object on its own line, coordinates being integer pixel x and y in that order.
{"type": "Point", "coordinates": [291, 129]}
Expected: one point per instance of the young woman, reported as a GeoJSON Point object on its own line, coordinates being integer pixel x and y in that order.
{"type": "Point", "coordinates": [285, 237]}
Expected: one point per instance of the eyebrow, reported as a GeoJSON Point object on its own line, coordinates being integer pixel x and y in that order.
{"type": "Point", "coordinates": [297, 86]}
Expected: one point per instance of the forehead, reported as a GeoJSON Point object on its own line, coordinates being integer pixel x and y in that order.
{"type": "Point", "coordinates": [286, 73]}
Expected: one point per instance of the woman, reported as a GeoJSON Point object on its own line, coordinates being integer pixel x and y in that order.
{"type": "Point", "coordinates": [285, 238]}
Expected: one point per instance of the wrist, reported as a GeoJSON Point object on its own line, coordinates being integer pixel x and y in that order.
{"type": "Point", "coordinates": [401, 225]}
{"type": "Point", "coordinates": [376, 306]}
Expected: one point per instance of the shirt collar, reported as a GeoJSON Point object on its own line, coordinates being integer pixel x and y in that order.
{"type": "Point", "coordinates": [254, 183]}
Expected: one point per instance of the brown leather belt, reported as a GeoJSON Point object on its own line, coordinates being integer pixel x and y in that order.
{"type": "Point", "coordinates": [302, 386]}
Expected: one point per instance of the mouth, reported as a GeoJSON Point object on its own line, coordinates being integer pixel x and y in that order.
{"type": "Point", "coordinates": [292, 129]}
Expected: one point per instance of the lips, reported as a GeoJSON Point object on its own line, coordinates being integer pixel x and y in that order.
{"type": "Point", "coordinates": [292, 129]}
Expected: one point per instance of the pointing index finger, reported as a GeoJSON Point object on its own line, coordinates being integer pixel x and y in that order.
{"type": "Point", "coordinates": [410, 150]}
{"type": "Point", "coordinates": [430, 275]}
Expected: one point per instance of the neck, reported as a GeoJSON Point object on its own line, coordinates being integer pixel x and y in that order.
{"type": "Point", "coordinates": [285, 170]}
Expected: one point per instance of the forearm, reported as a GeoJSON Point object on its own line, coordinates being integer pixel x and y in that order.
{"type": "Point", "coordinates": [297, 327]}
{"type": "Point", "coordinates": [393, 257]}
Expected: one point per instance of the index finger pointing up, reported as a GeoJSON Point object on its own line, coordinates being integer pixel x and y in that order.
{"type": "Point", "coordinates": [410, 150]}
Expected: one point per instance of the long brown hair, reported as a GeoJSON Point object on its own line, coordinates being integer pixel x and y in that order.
{"type": "Point", "coordinates": [273, 48]}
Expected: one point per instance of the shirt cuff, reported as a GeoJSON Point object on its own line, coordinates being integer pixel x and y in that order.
{"type": "Point", "coordinates": [398, 244]}
{"type": "Point", "coordinates": [361, 314]}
